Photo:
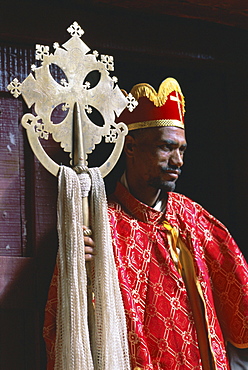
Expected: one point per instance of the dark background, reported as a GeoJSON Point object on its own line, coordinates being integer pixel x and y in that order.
{"type": "Point", "coordinates": [204, 46]}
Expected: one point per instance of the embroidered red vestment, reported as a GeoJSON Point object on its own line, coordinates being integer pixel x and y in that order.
{"type": "Point", "coordinates": [161, 329]}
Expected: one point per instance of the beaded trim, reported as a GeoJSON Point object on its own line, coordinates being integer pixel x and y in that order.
{"type": "Point", "coordinates": [156, 123]}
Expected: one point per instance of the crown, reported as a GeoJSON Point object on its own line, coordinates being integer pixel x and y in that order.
{"type": "Point", "coordinates": [156, 109]}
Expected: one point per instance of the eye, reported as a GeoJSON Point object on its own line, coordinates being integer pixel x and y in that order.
{"type": "Point", "coordinates": [165, 148]}
{"type": "Point", "coordinates": [182, 149]}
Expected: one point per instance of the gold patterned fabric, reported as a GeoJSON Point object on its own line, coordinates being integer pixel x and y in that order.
{"type": "Point", "coordinates": [161, 324]}
{"type": "Point", "coordinates": [163, 331]}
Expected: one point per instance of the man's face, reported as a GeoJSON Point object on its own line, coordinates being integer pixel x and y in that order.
{"type": "Point", "coordinates": [157, 157]}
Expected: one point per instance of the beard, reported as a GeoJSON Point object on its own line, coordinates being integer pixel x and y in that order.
{"type": "Point", "coordinates": [166, 186]}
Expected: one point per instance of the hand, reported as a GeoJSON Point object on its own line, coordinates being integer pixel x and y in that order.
{"type": "Point", "coordinates": [89, 247]}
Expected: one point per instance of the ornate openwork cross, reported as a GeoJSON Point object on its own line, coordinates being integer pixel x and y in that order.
{"type": "Point", "coordinates": [73, 92]}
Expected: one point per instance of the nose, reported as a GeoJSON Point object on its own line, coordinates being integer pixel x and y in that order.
{"type": "Point", "coordinates": [176, 158]}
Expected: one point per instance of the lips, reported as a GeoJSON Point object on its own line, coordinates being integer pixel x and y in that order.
{"type": "Point", "coordinates": [173, 174]}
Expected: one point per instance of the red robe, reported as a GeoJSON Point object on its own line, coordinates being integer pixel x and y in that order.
{"type": "Point", "coordinates": [161, 328]}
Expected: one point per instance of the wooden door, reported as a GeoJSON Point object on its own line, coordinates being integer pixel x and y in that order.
{"type": "Point", "coordinates": [28, 239]}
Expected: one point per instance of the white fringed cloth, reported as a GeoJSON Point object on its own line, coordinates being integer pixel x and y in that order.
{"type": "Point", "coordinates": [103, 346]}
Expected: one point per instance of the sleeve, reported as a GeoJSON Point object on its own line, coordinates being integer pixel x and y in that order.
{"type": "Point", "coordinates": [229, 277]}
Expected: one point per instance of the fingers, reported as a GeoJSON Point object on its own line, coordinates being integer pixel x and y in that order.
{"type": "Point", "coordinates": [89, 246]}
{"type": "Point", "coordinates": [89, 253]}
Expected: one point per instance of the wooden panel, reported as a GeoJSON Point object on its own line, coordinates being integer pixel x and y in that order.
{"type": "Point", "coordinates": [12, 225]}
{"type": "Point", "coordinates": [17, 302]}
{"type": "Point", "coordinates": [17, 282]}
{"type": "Point", "coordinates": [17, 340]}
{"type": "Point", "coordinates": [21, 313]}
{"type": "Point", "coordinates": [15, 62]}
{"type": "Point", "coordinates": [229, 12]}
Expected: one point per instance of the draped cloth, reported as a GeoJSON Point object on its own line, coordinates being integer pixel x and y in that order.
{"type": "Point", "coordinates": [104, 345]}
{"type": "Point", "coordinates": [162, 327]}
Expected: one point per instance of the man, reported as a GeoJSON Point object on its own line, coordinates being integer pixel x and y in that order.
{"type": "Point", "coordinates": [182, 277]}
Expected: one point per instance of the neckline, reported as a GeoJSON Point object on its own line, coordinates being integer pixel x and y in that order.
{"type": "Point", "coordinates": [139, 210]}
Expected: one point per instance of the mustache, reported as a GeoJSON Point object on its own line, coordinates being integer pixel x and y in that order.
{"type": "Point", "coordinates": [172, 168]}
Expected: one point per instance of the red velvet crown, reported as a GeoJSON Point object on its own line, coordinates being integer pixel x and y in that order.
{"type": "Point", "coordinates": [165, 108]}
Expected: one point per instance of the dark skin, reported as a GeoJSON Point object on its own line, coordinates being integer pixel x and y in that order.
{"type": "Point", "coordinates": [154, 157]}
{"type": "Point", "coordinates": [89, 247]}
{"type": "Point", "coordinates": [153, 161]}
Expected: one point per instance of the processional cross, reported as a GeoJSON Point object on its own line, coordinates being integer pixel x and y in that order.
{"type": "Point", "coordinates": [76, 97]}
{"type": "Point", "coordinates": [77, 133]}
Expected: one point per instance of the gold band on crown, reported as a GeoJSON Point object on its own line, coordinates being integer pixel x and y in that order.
{"type": "Point", "coordinates": [156, 123]}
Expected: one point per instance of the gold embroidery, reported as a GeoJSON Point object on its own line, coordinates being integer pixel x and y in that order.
{"type": "Point", "coordinates": [184, 263]}
{"type": "Point", "coordinates": [165, 89]}
{"type": "Point", "coordinates": [172, 240]}
{"type": "Point", "coordinates": [195, 294]}
{"type": "Point", "coordinates": [156, 123]}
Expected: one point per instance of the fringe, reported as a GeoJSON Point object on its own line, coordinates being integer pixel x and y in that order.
{"type": "Point", "coordinates": [101, 343]}
{"type": "Point", "coordinates": [167, 86]}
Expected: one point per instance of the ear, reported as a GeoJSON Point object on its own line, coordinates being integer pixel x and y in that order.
{"type": "Point", "coordinates": [129, 146]}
